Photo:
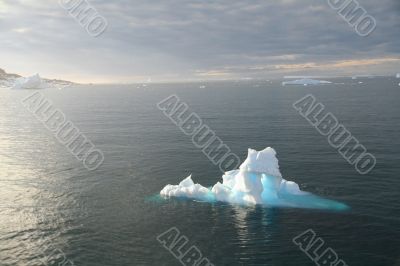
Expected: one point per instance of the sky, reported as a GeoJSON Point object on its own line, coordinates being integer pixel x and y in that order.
{"type": "Point", "coordinates": [182, 40]}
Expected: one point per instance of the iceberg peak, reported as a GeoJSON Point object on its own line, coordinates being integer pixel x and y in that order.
{"type": "Point", "coordinates": [264, 161]}
{"type": "Point", "coordinates": [187, 182]}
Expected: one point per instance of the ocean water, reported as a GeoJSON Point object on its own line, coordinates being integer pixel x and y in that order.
{"type": "Point", "coordinates": [52, 209]}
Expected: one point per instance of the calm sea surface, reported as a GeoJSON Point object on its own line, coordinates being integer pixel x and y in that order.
{"type": "Point", "coordinates": [51, 206]}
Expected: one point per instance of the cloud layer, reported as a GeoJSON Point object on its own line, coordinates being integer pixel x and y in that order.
{"type": "Point", "coordinates": [187, 39]}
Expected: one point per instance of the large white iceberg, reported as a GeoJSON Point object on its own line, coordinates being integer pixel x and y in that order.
{"type": "Point", "coordinates": [257, 181]}
{"type": "Point", "coordinates": [306, 82]}
{"type": "Point", "coordinates": [32, 82]}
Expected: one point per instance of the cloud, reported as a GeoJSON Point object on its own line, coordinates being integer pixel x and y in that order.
{"type": "Point", "coordinates": [188, 39]}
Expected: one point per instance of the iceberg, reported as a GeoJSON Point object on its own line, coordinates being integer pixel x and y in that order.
{"type": "Point", "coordinates": [15, 81]}
{"type": "Point", "coordinates": [398, 75]}
{"type": "Point", "coordinates": [257, 181]}
{"type": "Point", "coordinates": [32, 82]}
{"type": "Point", "coordinates": [306, 82]}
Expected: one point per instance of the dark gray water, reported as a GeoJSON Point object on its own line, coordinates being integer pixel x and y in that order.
{"type": "Point", "coordinates": [51, 206]}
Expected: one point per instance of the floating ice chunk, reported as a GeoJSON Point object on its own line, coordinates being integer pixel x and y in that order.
{"type": "Point", "coordinates": [264, 161]}
{"type": "Point", "coordinates": [306, 82]}
{"type": "Point", "coordinates": [221, 192]}
{"type": "Point", "coordinates": [258, 181]}
{"type": "Point", "coordinates": [32, 82]}
{"type": "Point", "coordinates": [291, 187]}
{"type": "Point", "coordinates": [186, 188]}
{"type": "Point", "coordinates": [229, 178]}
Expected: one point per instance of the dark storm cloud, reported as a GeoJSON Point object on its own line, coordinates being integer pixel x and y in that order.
{"type": "Point", "coordinates": [186, 38]}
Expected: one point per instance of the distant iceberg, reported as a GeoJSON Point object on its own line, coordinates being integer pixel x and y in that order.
{"type": "Point", "coordinates": [36, 82]}
{"type": "Point", "coordinates": [32, 82]}
{"type": "Point", "coordinates": [398, 75]}
{"type": "Point", "coordinates": [257, 181]}
{"type": "Point", "coordinates": [306, 82]}
{"type": "Point", "coordinates": [5, 83]}
{"type": "Point", "coordinates": [364, 76]}
{"type": "Point", "coordinates": [15, 81]}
